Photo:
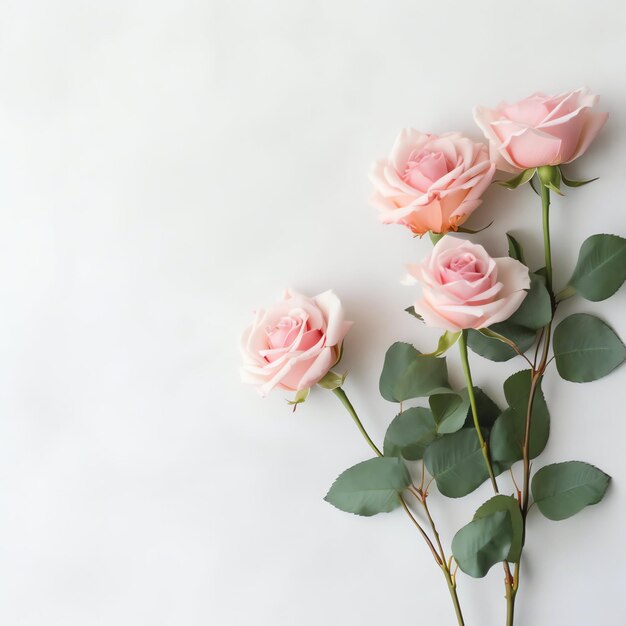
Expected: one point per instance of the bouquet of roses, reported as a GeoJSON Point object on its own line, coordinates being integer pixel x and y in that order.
{"type": "Point", "coordinates": [499, 308]}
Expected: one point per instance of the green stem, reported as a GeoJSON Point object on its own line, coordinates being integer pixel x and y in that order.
{"type": "Point", "coordinates": [440, 557]}
{"type": "Point", "coordinates": [510, 605]}
{"type": "Point", "coordinates": [472, 399]}
{"type": "Point", "coordinates": [545, 205]}
{"type": "Point", "coordinates": [537, 374]}
{"type": "Point", "coordinates": [341, 394]}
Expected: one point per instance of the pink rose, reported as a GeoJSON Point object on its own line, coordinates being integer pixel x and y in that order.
{"type": "Point", "coordinates": [463, 287]}
{"type": "Point", "coordinates": [294, 343]}
{"type": "Point", "coordinates": [540, 130]}
{"type": "Point", "coordinates": [430, 182]}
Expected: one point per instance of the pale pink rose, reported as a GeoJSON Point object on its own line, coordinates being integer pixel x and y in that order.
{"type": "Point", "coordinates": [540, 130]}
{"type": "Point", "coordinates": [430, 182]}
{"type": "Point", "coordinates": [294, 343]}
{"type": "Point", "coordinates": [463, 287]}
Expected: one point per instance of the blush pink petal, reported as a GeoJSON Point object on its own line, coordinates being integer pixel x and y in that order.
{"type": "Point", "coordinates": [593, 124]}
{"type": "Point", "coordinates": [532, 148]}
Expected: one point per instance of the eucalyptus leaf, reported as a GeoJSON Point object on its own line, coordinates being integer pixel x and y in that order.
{"type": "Point", "coordinates": [601, 267]}
{"type": "Point", "coordinates": [449, 410]}
{"type": "Point", "coordinates": [456, 463]}
{"type": "Point", "coordinates": [488, 411]}
{"type": "Point", "coordinates": [409, 433]}
{"type": "Point", "coordinates": [510, 504]}
{"type": "Point", "coordinates": [507, 436]}
{"type": "Point", "coordinates": [536, 309]}
{"type": "Point", "coordinates": [563, 489]}
{"type": "Point", "coordinates": [586, 349]}
{"type": "Point", "coordinates": [409, 374]}
{"type": "Point", "coordinates": [483, 542]}
{"type": "Point", "coordinates": [494, 349]}
{"type": "Point", "coordinates": [370, 487]}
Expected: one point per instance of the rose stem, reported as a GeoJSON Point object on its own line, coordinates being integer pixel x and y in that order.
{"type": "Point", "coordinates": [508, 579]}
{"type": "Point", "coordinates": [440, 557]}
{"type": "Point", "coordinates": [537, 374]}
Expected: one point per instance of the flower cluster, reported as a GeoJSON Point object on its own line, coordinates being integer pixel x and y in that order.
{"type": "Point", "coordinates": [496, 307]}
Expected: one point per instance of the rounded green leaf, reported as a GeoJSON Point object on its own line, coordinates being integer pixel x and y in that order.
{"type": "Point", "coordinates": [409, 374]}
{"type": "Point", "coordinates": [456, 462]}
{"type": "Point", "coordinates": [496, 350]}
{"type": "Point", "coordinates": [601, 267]}
{"type": "Point", "coordinates": [370, 487]}
{"type": "Point", "coordinates": [482, 543]}
{"type": "Point", "coordinates": [586, 349]}
{"type": "Point", "coordinates": [562, 489]}
{"type": "Point", "coordinates": [511, 505]}
{"type": "Point", "coordinates": [449, 410]}
{"type": "Point", "coordinates": [409, 433]}
{"type": "Point", "coordinates": [507, 436]}
{"type": "Point", "coordinates": [536, 308]}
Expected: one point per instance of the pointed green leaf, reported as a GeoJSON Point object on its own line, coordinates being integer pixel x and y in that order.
{"type": "Point", "coordinates": [446, 341]}
{"type": "Point", "coordinates": [575, 183]}
{"type": "Point", "coordinates": [449, 410]}
{"type": "Point", "coordinates": [511, 505]}
{"type": "Point", "coordinates": [456, 462]}
{"type": "Point", "coordinates": [409, 433]}
{"type": "Point", "coordinates": [409, 374]}
{"type": "Point", "coordinates": [508, 433]}
{"type": "Point", "coordinates": [586, 349]}
{"type": "Point", "coordinates": [299, 398]}
{"type": "Point", "coordinates": [601, 267]}
{"type": "Point", "coordinates": [563, 489]}
{"type": "Point", "coordinates": [370, 487]}
{"type": "Point", "coordinates": [473, 231]}
{"type": "Point", "coordinates": [520, 179]}
{"type": "Point", "coordinates": [515, 249]}
{"type": "Point", "coordinates": [495, 350]}
{"type": "Point", "coordinates": [482, 543]}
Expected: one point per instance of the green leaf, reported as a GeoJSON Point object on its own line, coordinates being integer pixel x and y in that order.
{"type": "Point", "coordinates": [586, 349]}
{"type": "Point", "coordinates": [449, 410]}
{"type": "Point", "coordinates": [331, 380]}
{"type": "Point", "coordinates": [534, 183]}
{"type": "Point", "coordinates": [446, 341]}
{"type": "Point", "coordinates": [473, 231]}
{"type": "Point", "coordinates": [435, 237]}
{"type": "Point", "coordinates": [456, 462]}
{"type": "Point", "coordinates": [508, 433]}
{"type": "Point", "coordinates": [601, 267]}
{"type": "Point", "coordinates": [299, 398]}
{"type": "Point", "coordinates": [515, 249]}
{"type": "Point", "coordinates": [536, 309]}
{"type": "Point", "coordinates": [408, 374]}
{"type": "Point", "coordinates": [511, 505]}
{"type": "Point", "coordinates": [520, 179]}
{"type": "Point", "coordinates": [482, 543]}
{"type": "Point", "coordinates": [370, 487]}
{"type": "Point", "coordinates": [575, 183]}
{"type": "Point", "coordinates": [494, 349]}
{"type": "Point", "coordinates": [411, 311]}
{"type": "Point", "coordinates": [409, 433]}
{"type": "Point", "coordinates": [562, 489]}
{"type": "Point", "coordinates": [488, 411]}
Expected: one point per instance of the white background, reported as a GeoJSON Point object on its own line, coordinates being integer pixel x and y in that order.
{"type": "Point", "coordinates": [166, 167]}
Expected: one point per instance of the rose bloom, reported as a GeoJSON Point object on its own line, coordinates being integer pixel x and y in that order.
{"type": "Point", "coordinates": [294, 343]}
{"type": "Point", "coordinates": [430, 182]}
{"type": "Point", "coordinates": [463, 287]}
{"type": "Point", "coordinates": [540, 130]}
